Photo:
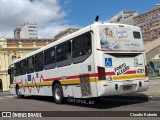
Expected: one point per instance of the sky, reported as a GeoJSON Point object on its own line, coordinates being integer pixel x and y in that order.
{"type": "Point", "coordinates": [53, 16]}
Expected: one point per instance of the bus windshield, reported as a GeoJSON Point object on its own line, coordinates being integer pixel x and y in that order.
{"type": "Point", "coordinates": [120, 37]}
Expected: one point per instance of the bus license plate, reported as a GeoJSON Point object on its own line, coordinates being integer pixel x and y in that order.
{"type": "Point", "coordinates": [127, 87]}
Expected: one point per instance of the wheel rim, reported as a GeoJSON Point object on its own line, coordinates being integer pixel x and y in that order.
{"type": "Point", "coordinates": [57, 94]}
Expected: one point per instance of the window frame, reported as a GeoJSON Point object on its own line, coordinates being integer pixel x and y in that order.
{"type": "Point", "coordinates": [69, 61]}
{"type": "Point", "coordinates": [22, 68]}
{"type": "Point", "coordinates": [36, 67]}
{"type": "Point", "coordinates": [135, 33]}
{"type": "Point", "coordinates": [16, 69]}
{"type": "Point", "coordinates": [28, 68]}
{"type": "Point", "coordinates": [47, 62]}
{"type": "Point", "coordinates": [91, 43]}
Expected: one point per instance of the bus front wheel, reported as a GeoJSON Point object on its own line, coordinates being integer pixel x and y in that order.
{"type": "Point", "coordinates": [58, 93]}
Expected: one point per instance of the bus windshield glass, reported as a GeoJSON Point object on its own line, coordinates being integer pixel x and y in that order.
{"type": "Point", "coordinates": [120, 37]}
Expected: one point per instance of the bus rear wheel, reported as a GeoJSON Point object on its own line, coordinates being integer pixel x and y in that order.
{"type": "Point", "coordinates": [18, 93]}
{"type": "Point", "coordinates": [58, 93]}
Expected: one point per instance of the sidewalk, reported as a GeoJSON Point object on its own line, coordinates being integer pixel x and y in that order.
{"type": "Point", "coordinates": [153, 93]}
{"type": "Point", "coordinates": [5, 93]}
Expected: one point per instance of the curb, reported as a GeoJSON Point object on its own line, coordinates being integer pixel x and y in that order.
{"type": "Point", "coordinates": [154, 98]}
{"type": "Point", "coordinates": [148, 98]}
{"type": "Point", "coordinates": [135, 97]}
{"type": "Point", "coordinates": [152, 78]}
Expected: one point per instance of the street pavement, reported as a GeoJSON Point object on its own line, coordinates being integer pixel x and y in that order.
{"type": "Point", "coordinates": [154, 88]}
{"type": "Point", "coordinates": [97, 111]}
{"type": "Point", "coordinates": [143, 101]}
{"type": "Point", "coordinates": [153, 92]}
{"type": "Point", "coordinates": [6, 95]}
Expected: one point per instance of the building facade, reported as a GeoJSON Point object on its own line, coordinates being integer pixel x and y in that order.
{"type": "Point", "coordinates": [18, 48]}
{"type": "Point", "coordinates": [17, 33]}
{"type": "Point", "coordinates": [149, 22]}
{"type": "Point", "coordinates": [124, 17]}
{"type": "Point", "coordinates": [65, 32]}
{"type": "Point", "coordinates": [29, 31]}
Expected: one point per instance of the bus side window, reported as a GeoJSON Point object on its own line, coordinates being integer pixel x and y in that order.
{"type": "Point", "coordinates": [22, 67]}
{"type": "Point", "coordinates": [39, 62]}
{"type": "Point", "coordinates": [12, 75]}
{"type": "Point", "coordinates": [16, 69]}
{"type": "Point", "coordinates": [49, 58]}
{"type": "Point", "coordinates": [64, 54]}
{"type": "Point", "coordinates": [81, 48]}
{"type": "Point", "coordinates": [30, 64]}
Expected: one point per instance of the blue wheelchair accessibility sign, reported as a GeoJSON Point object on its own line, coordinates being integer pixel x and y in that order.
{"type": "Point", "coordinates": [108, 61]}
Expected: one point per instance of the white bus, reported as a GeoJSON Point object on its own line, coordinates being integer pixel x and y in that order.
{"type": "Point", "coordinates": [102, 59]}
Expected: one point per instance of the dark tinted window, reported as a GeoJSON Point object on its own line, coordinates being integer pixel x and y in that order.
{"type": "Point", "coordinates": [30, 65]}
{"type": "Point", "coordinates": [12, 75]}
{"type": "Point", "coordinates": [136, 35]}
{"type": "Point", "coordinates": [39, 62]}
{"type": "Point", "coordinates": [22, 67]}
{"type": "Point", "coordinates": [16, 69]}
{"type": "Point", "coordinates": [81, 48]}
{"type": "Point", "coordinates": [49, 58]}
{"type": "Point", "coordinates": [64, 54]}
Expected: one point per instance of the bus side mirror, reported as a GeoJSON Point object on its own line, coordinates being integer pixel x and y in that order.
{"type": "Point", "coordinates": [9, 71]}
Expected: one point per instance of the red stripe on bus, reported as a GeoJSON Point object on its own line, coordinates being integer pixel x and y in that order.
{"type": "Point", "coordinates": [18, 82]}
{"type": "Point", "coordinates": [90, 75]}
{"type": "Point", "coordinates": [52, 79]}
{"type": "Point", "coordinates": [72, 77]}
{"type": "Point", "coordinates": [110, 73]}
{"type": "Point", "coordinates": [130, 72]}
{"type": "Point", "coordinates": [93, 75]}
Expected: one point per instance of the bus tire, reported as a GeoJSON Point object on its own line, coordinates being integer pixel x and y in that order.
{"type": "Point", "coordinates": [18, 92]}
{"type": "Point", "coordinates": [58, 93]}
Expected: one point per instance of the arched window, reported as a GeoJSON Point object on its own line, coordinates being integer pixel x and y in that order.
{"type": "Point", "coordinates": [14, 58]}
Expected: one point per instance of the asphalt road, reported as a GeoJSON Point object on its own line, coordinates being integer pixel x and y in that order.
{"type": "Point", "coordinates": [37, 103]}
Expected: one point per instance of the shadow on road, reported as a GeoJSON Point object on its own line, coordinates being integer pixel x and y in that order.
{"type": "Point", "coordinates": [103, 103]}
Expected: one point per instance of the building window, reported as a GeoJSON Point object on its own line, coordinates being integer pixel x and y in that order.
{"type": "Point", "coordinates": [31, 26]}
{"type": "Point", "coordinates": [14, 58]}
{"type": "Point", "coordinates": [136, 35]}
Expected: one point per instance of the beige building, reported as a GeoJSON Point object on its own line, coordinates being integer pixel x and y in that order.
{"type": "Point", "coordinates": [149, 22]}
{"type": "Point", "coordinates": [124, 17]}
{"type": "Point", "coordinates": [17, 33]}
{"type": "Point", "coordinates": [65, 32]}
{"type": "Point", "coordinates": [18, 48]}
